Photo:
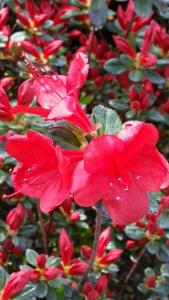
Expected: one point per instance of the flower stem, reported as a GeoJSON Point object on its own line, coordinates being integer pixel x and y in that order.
{"type": "Point", "coordinates": [95, 244]}
{"type": "Point", "coordinates": [131, 273]}
{"type": "Point", "coordinates": [43, 231]}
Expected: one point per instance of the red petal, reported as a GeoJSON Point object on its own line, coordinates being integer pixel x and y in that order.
{"type": "Point", "coordinates": [126, 206]}
{"type": "Point", "coordinates": [52, 48]}
{"type": "Point", "coordinates": [104, 239]}
{"type": "Point", "coordinates": [94, 153]}
{"type": "Point", "coordinates": [78, 72]}
{"type": "Point", "coordinates": [140, 137]}
{"type": "Point", "coordinates": [66, 247]}
{"type": "Point", "coordinates": [86, 189]}
{"type": "Point", "coordinates": [26, 92]}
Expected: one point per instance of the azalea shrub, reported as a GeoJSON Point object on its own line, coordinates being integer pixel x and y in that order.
{"type": "Point", "coordinates": [84, 148]}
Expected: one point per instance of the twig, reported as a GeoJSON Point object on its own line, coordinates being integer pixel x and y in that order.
{"type": "Point", "coordinates": [91, 45]}
{"type": "Point", "coordinates": [95, 245]}
{"type": "Point", "coordinates": [43, 231]}
{"type": "Point", "coordinates": [131, 273]}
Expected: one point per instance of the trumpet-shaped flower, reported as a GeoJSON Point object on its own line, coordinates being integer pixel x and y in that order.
{"type": "Point", "coordinates": [121, 170]}
{"type": "Point", "coordinates": [44, 171]}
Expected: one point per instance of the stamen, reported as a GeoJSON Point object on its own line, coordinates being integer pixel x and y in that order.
{"type": "Point", "coordinates": [35, 71]}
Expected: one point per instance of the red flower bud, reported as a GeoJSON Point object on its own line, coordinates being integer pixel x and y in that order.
{"type": "Point", "coordinates": [86, 251]}
{"type": "Point", "coordinates": [15, 217]}
{"type": "Point", "coordinates": [17, 251]}
{"type": "Point", "coordinates": [16, 282]}
{"type": "Point", "coordinates": [35, 275]}
{"type": "Point", "coordinates": [41, 261]}
{"type": "Point", "coordinates": [51, 273]}
{"type": "Point", "coordinates": [130, 244]}
{"type": "Point", "coordinates": [102, 283]}
{"type": "Point", "coordinates": [75, 216]}
{"type": "Point", "coordinates": [150, 281]}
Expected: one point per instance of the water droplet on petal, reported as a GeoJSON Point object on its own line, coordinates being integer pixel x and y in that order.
{"type": "Point", "coordinates": [138, 177]}
{"type": "Point", "coordinates": [111, 184]}
{"type": "Point", "coordinates": [10, 170]}
{"type": "Point", "coordinates": [118, 198]}
{"type": "Point", "coordinates": [25, 179]}
{"type": "Point", "coordinates": [122, 184]}
{"type": "Point", "coordinates": [29, 169]}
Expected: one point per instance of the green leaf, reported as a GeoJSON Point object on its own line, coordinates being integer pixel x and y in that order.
{"type": "Point", "coordinates": [114, 66]}
{"type": "Point", "coordinates": [163, 221]}
{"type": "Point", "coordinates": [29, 230]}
{"type": "Point", "coordinates": [113, 269]}
{"type": "Point", "coordinates": [51, 295]}
{"type": "Point", "coordinates": [77, 3]}
{"type": "Point", "coordinates": [19, 36]}
{"type": "Point", "coordinates": [163, 253]}
{"type": "Point", "coordinates": [149, 272]}
{"type": "Point", "coordinates": [134, 232]}
{"type": "Point", "coordinates": [3, 277]}
{"type": "Point", "coordinates": [27, 293]}
{"type": "Point", "coordinates": [156, 116]}
{"type": "Point", "coordinates": [58, 282]}
{"type": "Point", "coordinates": [53, 261]}
{"type": "Point", "coordinates": [163, 62]}
{"type": "Point", "coordinates": [120, 104]}
{"type": "Point", "coordinates": [74, 13]}
{"type": "Point", "coordinates": [165, 270]}
{"type": "Point", "coordinates": [153, 247]}
{"type": "Point", "coordinates": [143, 7]}
{"type": "Point", "coordinates": [98, 13]}
{"type": "Point", "coordinates": [154, 77]}
{"type": "Point", "coordinates": [142, 288]}
{"type": "Point", "coordinates": [31, 257]}
{"type": "Point", "coordinates": [107, 118]}
{"type": "Point", "coordinates": [136, 75]}
{"type": "Point", "coordinates": [41, 290]}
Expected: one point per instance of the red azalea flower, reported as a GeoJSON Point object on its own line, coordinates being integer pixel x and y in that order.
{"type": "Point", "coordinates": [70, 266]}
{"type": "Point", "coordinates": [117, 168]}
{"type": "Point", "coordinates": [103, 258]}
{"type": "Point", "coordinates": [16, 282]}
{"type": "Point", "coordinates": [44, 171]}
{"type": "Point", "coordinates": [58, 95]}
